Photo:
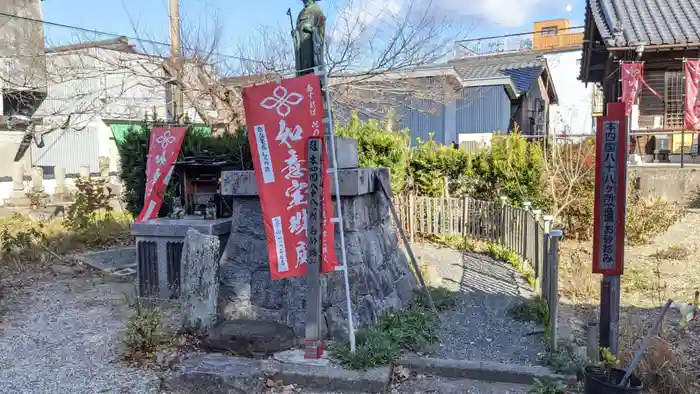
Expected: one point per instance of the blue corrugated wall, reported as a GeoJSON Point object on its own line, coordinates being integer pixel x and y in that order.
{"type": "Point", "coordinates": [423, 117]}
{"type": "Point", "coordinates": [483, 109]}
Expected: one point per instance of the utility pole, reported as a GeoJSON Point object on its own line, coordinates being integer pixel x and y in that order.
{"type": "Point", "coordinates": [175, 60]}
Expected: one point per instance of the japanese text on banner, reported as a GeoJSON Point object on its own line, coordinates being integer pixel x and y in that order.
{"type": "Point", "coordinates": [283, 117]}
{"type": "Point", "coordinates": [608, 190]}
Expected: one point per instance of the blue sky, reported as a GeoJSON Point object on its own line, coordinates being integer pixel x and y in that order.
{"type": "Point", "coordinates": [149, 18]}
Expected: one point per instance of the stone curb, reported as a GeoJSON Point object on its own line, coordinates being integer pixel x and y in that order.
{"type": "Point", "coordinates": [475, 370]}
{"type": "Point", "coordinates": [329, 378]}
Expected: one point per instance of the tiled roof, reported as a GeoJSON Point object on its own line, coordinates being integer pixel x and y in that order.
{"type": "Point", "coordinates": [651, 22]}
{"type": "Point", "coordinates": [523, 69]}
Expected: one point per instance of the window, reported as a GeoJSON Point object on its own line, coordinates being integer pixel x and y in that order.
{"type": "Point", "coordinates": [597, 101]}
{"type": "Point", "coordinates": [549, 31]}
{"type": "Point", "coordinates": [668, 111]}
{"type": "Point", "coordinates": [673, 100]}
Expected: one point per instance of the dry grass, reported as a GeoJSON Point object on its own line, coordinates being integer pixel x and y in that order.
{"type": "Point", "coordinates": [667, 367]}
{"type": "Point", "coordinates": [24, 242]}
{"type": "Point", "coordinates": [673, 252]}
{"type": "Point", "coordinates": [577, 284]}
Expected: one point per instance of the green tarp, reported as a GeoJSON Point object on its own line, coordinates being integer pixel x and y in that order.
{"type": "Point", "coordinates": [120, 129]}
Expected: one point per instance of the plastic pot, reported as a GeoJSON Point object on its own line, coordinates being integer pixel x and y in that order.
{"type": "Point", "coordinates": [597, 382]}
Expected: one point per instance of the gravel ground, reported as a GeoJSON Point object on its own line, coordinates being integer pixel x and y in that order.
{"type": "Point", "coordinates": [61, 335]}
{"type": "Point", "coordinates": [480, 328]}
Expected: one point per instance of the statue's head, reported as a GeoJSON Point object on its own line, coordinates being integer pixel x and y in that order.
{"type": "Point", "coordinates": [307, 2]}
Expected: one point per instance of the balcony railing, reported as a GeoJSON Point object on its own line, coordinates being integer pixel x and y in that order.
{"type": "Point", "coordinates": [559, 41]}
{"type": "Point", "coordinates": [521, 42]}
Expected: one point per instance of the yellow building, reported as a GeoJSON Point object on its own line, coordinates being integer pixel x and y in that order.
{"type": "Point", "coordinates": [555, 34]}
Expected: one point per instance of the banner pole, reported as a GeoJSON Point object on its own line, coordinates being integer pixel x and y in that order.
{"type": "Point", "coordinates": [339, 218]}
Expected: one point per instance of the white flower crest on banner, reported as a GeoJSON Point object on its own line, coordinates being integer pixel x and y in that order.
{"type": "Point", "coordinates": [282, 101]}
{"type": "Point", "coordinates": [166, 139]}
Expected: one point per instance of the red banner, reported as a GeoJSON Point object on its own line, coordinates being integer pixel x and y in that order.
{"type": "Point", "coordinates": [610, 192]}
{"type": "Point", "coordinates": [281, 118]}
{"type": "Point", "coordinates": [632, 75]}
{"type": "Point", "coordinates": [692, 104]}
{"type": "Point", "coordinates": [163, 149]}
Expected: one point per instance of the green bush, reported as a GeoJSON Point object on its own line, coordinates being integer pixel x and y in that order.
{"type": "Point", "coordinates": [133, 152]}
{"type": "Point", "coordinates": [378, 147]}
{"type": "Point", "coordinates": [512, 167]}
{"type": "Point", "coordinates": [431, 164]}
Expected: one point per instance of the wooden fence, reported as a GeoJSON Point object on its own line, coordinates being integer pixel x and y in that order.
{"type": "Point", "coordinates": [522, 229]}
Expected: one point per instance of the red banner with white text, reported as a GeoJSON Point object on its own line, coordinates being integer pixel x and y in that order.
{"type": "Point", "coordinates": [163, 149]}
{"type": "Point", "coordinates": [632, 75]}
{"type": "Point", "coordinates": [280, 118]}
{"type": "Point", "coordinates": [692, 104]}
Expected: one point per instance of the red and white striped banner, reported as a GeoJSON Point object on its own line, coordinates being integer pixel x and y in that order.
{"type": "Point", "coordinates": [281, 118]}
{"type": "Point", "coordinates": [692, 104]}
{"type": "Point", "coordinates": [163, 149]}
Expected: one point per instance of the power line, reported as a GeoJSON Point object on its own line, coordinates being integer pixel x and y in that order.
{"type": "Point", "coordinates": [98, 32]}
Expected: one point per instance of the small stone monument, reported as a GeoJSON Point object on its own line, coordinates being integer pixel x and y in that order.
{"type": "Point", "coordinates": [37, 179]}
{"type": "Point", "coordinates": [17, 182]}
{"type": "Point", "coordinates": [84, 172]}
{"type": "Point", "coordinates": [104, 166]}
{"type": "Point", "coordinates": [61, 190]}
{"type": "Point", "coordinates": [200, 281]}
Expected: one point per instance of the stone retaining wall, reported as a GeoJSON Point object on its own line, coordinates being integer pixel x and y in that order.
{"type": "Point", "coordinates": [378, 271]}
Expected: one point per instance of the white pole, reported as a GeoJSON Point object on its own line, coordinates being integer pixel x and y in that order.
{"type": "Point", "coordinates": [339, 221]}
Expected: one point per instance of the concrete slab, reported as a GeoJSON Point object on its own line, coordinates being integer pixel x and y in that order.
{"type": "Point", "coordinates": [110, 260]}
{"type": "Point", "coordinates": [296, 356]}
{"type": "Point", "coordinates": [199, 371]}
{"type": "Point", "coordinates": [329, 378]}
{"type": "Point", "coordinates": [475, 370]}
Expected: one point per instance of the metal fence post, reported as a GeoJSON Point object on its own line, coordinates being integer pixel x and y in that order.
{"type": "Point", "coordinates": [526, 216]}
{"type": "Point", "coordinates": [411, 216]}
{"type": "Point", "coordinates": [503, 220]}
{"type": "Point", "coordinates": [544, 270]}
{"type": "Point", "coordinates": [537, 214]}
{"type": "Point", "coordinates": [553, 299]}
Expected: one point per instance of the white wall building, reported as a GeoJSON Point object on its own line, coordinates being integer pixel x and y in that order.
{"type": "Point", "coordinates": [573, 114]}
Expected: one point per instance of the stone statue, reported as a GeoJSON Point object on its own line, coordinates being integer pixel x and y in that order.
{"type": "Point", "coordinates": [178, 211]}
{"type": "Point", "coordinates": [210, 210]}
{"type": "Point", "coordinates": [309, 37]}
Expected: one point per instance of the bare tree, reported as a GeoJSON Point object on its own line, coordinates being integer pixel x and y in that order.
{"type": "Point", "coordinates": [569, 170]}
{"type": "Point", "coordinates": [369, 55]}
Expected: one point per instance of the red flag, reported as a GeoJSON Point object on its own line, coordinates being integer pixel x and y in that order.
{"type": "Point", "coordinates": [631, 77]}
{"type": "Point", "coordinates": [163, 149]}
{"type": "Point", "coordinates": [280, 119]}
{"type": "Point", "coordinates": [692, 104]}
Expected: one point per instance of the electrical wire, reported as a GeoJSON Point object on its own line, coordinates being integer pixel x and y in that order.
{"type": "Point", "coordinates": [103, 33]}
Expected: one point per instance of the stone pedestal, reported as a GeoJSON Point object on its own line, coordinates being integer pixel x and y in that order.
{"type": "Point", "coordinates": [104, 167]}
{"type": "Point", "coordinates": [379, 276]}
{"type": "Point", "coordinates": [159, 244]}
{"type": "Point", "coordinates": [84, 171]}
{"type": "Point", "coordinates": [37, 179]}
{"type": "Point", "coordinates": [61, 191]}
{"type": "Point", "coordinates": [18, 191]}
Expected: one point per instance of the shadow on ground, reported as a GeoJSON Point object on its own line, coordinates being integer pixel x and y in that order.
{"type": "Point", "coordinates": [481, 327]}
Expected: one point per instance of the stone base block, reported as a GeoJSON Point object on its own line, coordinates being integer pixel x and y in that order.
{"type": "Point", "coordinates": [159, 245]}
{"type": "Point", "coordinates": [380, 280]}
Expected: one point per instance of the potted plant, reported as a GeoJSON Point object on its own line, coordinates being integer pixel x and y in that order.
{"type": "Point", "coordinates": [604, 377]}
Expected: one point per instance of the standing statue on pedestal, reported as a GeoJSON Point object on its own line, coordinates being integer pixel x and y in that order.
{"type": "Point", "coordinates": [309, 37]}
